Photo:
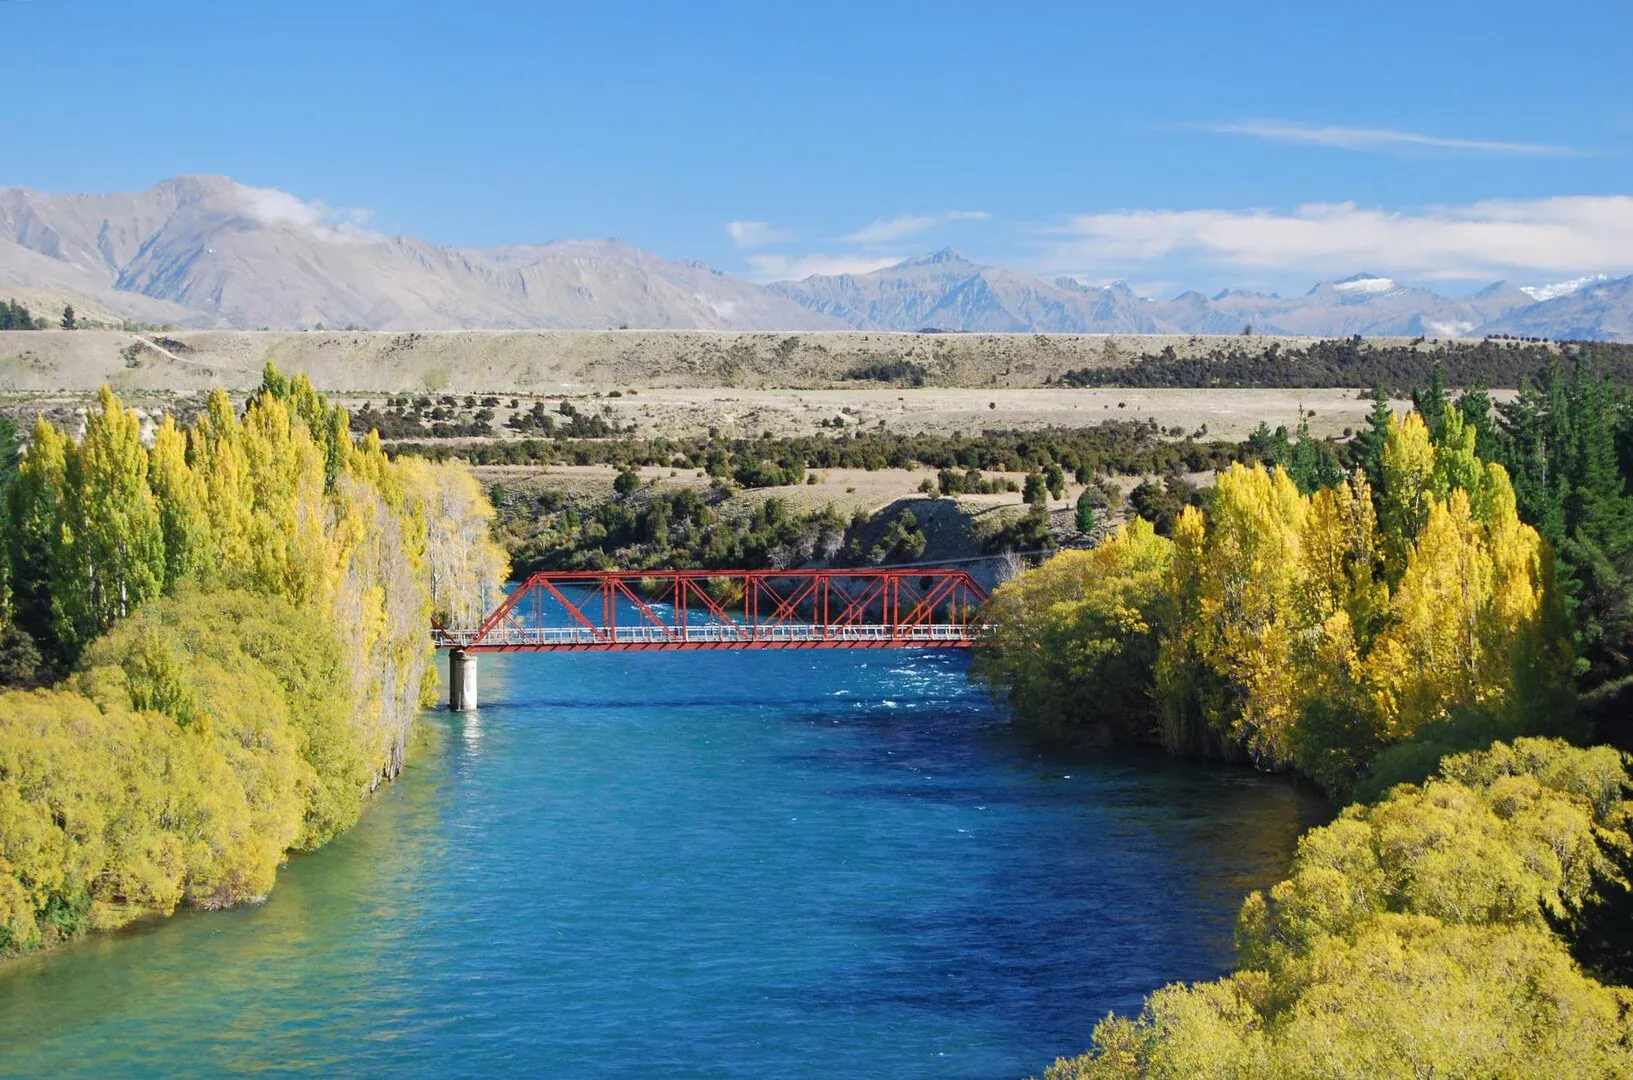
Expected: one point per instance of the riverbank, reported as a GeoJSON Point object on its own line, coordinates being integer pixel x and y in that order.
{"type": "Point", "coordinates": [802, 865]}
{"type": "Point", "coordinates": [215, 645]}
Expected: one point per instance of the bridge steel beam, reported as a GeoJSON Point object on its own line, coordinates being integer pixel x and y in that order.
{"type": "Point", "coordinates": [723, 609]}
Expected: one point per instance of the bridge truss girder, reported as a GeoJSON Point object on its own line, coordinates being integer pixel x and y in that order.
{"type": "Point", "coordinates": [730, 609]}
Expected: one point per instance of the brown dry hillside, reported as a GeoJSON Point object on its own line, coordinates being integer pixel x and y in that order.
{"type": "Point", "coordinates": [556, 361]}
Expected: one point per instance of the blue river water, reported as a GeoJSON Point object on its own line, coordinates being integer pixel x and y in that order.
{"type": "Point", "coordinates": [772, 864]}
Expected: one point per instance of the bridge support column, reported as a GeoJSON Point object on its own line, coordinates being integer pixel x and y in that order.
{"type": "Point", "coordinates": [461, 681]}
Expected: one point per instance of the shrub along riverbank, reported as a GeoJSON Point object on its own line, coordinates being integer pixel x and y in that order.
{"type": "Point", "coordinates": [1395, 636]}
{"type": "Point", "coordinates": [1416, 937]}
{"type": "Point", "coordinates": [215, 646]}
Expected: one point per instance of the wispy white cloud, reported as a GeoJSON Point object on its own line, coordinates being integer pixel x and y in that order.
{"type": "Point", "coordinates": [1569, 233]}
{"type": "Point", "coordinates": [786, 268]}
{"type": "Point", "coordinates": [749, 234]}
{"type": "Point", "coordinates": [273, 207]}
{"type": "Point", "coordinates": [889, 230]}
{"type": "Point", "coordinates": [1388, 140]}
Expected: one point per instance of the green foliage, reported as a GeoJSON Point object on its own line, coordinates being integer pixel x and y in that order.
{"type": "Point", "coordinates": [899, 372]}
{"type": "Point", "coordinates": [658, 528]}
{"type": "Point", "coordinates": [758, 473]}
{"type": "Point", "coordinates": [971, 482]}
{"type": "Point", "coordinates": [1034, 492]}
{"type": "Point", "coordinates": [1162, 501]}
{"type": "Point", "coordinates": [1368, 448]}
{"type": "Point", "coordinates": [1054, 478]}
{"type": "Point", "coordinates": [34, 524]}
{"type": "Point", "coordinates": [1567, 441]}
{"type": "Point", "coordinates": [901, 541]}
{"type": "Point", "coordinates": [1431, 404]}
{"type": "Point", "coordinates": [1086, 506]}
{"type": "Point", "coordinates": [1125, 447]}
{"type": "Point", "coordinates": [1351, 362]}
{"type": "Point", "coordinates": [10, 453]}
{"type": "Point", "coordinates": [69, 321]}
{"type": "Point", "coordinates": [14, 316]}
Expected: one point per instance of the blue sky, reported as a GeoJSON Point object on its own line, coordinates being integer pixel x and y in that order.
{"type": "Point", "coordinates": [1172, 145]}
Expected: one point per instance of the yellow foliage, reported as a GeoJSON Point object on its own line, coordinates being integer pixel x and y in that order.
{"type": "Point", "coordinates": [1087, 660]}
{"type": "Point", "coordinates": [1279, 637]}
{"type": "Point", "coordinates": [1410, 941]}
{"type": "Point", "coordinates": [1408, 486]}
{"type": "Point", "coordinates": [214, 730]}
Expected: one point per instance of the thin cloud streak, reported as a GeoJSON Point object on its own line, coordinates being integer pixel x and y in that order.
{"type": "Point", "coordinates": [1498, 237]}
{"type": "Point", "coordinates": [889, 230]}
{"type": "Point", "coordinates": [784, 268]}
{"type": "Point", "coordinates": [1380, 139]}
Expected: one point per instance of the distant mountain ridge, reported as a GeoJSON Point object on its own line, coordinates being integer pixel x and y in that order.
{"type": "Point", "coordinates": [946, 291]}
{"type": "Point", "coordinates": [206, 251]}
{"type": "Point", "coordinates": [218, 253]}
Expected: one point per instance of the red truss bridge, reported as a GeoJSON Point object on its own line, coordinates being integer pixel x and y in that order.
{"type": "Point", "coordinates": [608, 610]}
{"type": "Point", "coordinates": [731, 609]}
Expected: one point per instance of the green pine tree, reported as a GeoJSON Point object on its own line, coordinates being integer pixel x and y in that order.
{"type": "Point", "coordinates": [1369, 444]}
{"type": "Point", "coordinates": [1431, 404]}
{"type": "Point", "coordinates": [1086, 519]}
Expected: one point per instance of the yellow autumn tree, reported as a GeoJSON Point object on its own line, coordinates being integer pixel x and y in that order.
{"type": "Point", "coordinates": [1247, 578]}
{"type": "Point", "coordinates": [1408, 470]}
{"type": "Point", "coordinates": [466, 568]}
{"type": "Point", "coordinates": [1323, 631]}
{"type": "Point", "coordinates": [183, 519]}
{"type": "Point", "coordinates": [249, 709]}
{"type": "Point", "coordinates": [1078, 637]}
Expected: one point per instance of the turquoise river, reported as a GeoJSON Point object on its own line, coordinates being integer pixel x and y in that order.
{"type": "Point", "coordinates": [773, 864]}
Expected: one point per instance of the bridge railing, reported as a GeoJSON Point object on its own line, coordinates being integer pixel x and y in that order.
{"type": "Point", "coordinates": [723, 635]}
{"type": "Point", "coordinates": [770, 609]}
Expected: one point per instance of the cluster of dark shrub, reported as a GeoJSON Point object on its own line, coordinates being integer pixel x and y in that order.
{"type": "Point", "coordinates": [1126, 447]}
{"type": "Point", "coordinates": [1354, 362]}
{"type": "Point", "coordinates": [14, 316]}
{"type": "Point", "coordinates": [567, 422]}
{"type": "Point", "coordinates": [900, 541]}
{"type": "Point", "coordinates": [899, 372]}
{"type": "Point", "coordinates": [668, 529]}
{"type": "Point", "coordinates": [447, 417]}
{"type": "Point", "coordinates": [971, 482]}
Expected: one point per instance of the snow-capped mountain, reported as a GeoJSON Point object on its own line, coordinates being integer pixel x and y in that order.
{"type": "Point", "coordinates": [206, 251]}
{"type": "Point", "coordinates": [1601, 310]}
{"type": "Point", "coordinates": [1561, 288]}
{"type": "Point", "coordinates": [946, 291]}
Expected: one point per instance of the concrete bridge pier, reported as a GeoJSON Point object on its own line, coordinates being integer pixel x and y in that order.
{"type": "Point", "coordinates": [461, 681]}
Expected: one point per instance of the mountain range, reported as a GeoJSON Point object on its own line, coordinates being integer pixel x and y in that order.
{"type": "Point", "coordinates": [206, 251]}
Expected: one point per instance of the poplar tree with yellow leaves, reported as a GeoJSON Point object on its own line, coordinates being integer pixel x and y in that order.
{"type": "Point", "coordinates": [109, 555]}
{"type": "Point", "coordinates": [1320, 631]}
{"type": "Point", "coordinates": [245, 608]}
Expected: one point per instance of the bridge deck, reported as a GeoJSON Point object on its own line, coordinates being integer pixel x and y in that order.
{"type": "Point", "coordinates": [717, 636]}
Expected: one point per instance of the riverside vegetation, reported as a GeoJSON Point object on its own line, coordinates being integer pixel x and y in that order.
{"type": "Point", "coordinates": [214, 647]}
{"type": "Point", "coordinates": [1413, 636]}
